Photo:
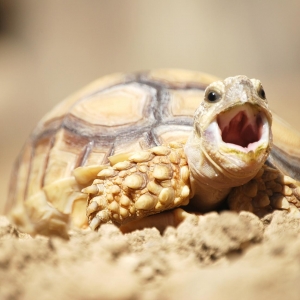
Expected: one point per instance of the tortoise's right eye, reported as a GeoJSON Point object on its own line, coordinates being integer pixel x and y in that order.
{"type": "Point", "coordinates": [261, 93]}
{"type": "Point", "coordinates": [213, 96]}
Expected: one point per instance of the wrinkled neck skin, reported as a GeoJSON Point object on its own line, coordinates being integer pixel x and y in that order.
{"type": "Point", "coordinates": [210, 183]}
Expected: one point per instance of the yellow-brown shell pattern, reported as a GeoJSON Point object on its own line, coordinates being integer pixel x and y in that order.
{"type": "Point", "coordinates": [115, 114]}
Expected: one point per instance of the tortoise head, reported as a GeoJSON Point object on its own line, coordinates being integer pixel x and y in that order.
{"type": "Point", "coordinates": [232, 131]}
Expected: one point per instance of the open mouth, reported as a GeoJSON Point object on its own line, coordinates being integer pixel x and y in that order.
{"type": "Point", "coordinates": [243, 127]}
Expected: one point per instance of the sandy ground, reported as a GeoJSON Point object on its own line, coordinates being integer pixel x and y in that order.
{"type": "Point", "coordinates": [219, 256]}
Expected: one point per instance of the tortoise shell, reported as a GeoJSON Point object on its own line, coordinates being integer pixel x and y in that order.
{"type": "Point", "coordinates": [117, 114]}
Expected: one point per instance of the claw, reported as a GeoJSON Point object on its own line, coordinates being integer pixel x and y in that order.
{"type": "Point", "coordinates": [95, 223]}
{"type": "Point", "coordinates": [279, 201]}
{"type": "Point", "coordinates": [92, 207]}
{"type": "Point", "coordinates": [92, 189]}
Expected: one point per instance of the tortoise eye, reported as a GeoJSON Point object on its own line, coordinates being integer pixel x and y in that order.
{"type": "Point", "coordinates": [261, 93]}
{"type": "Point", "coordinates": [213, 96]}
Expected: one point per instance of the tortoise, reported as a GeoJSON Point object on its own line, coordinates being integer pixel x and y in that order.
{"type": "Point", "coordinates": [135, 149]}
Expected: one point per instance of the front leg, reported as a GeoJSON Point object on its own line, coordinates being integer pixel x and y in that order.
{"type": "Point", "coordinates": [148, 182]}
{"type": "Point", "coordinates": [268, 190]}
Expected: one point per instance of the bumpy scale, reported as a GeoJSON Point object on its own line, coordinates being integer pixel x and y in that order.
{"type": "Point", "coordinates": [268, 190]}
{"type": "Point", "coordinates": [148, 182]}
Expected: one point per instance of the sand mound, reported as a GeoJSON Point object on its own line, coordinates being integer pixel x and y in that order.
{"type": "Point", "coordinates": [220, 256]}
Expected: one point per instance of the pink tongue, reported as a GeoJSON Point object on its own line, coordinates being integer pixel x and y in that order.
{"type": "Point", "coordinates": [240, 132]}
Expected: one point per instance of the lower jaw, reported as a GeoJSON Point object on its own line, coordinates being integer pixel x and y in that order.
{"type": "Point", "coordinates": [247, 163]}
{"type": "Point", "coordinates": [246, 154]}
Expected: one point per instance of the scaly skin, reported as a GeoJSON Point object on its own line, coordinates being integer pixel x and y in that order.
{"type": "Point", "coordinates": [268, 190]}
{"type": "Point", "coordinates": [147, 183]}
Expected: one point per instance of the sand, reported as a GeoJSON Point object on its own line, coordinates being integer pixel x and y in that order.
{"type": "Point", "coordinates": [216, 256]}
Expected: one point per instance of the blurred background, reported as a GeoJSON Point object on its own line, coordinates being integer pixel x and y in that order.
{"type": "Point", "coordinates": [51, 48]}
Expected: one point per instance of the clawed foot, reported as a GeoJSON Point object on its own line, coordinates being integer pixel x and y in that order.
{"type": "Point", "coordinates": [145, 183]}
{"type": "Point", "coordinates": [268, 190]}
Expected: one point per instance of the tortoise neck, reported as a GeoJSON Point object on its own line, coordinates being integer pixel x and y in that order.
{"type": "Point", "coordinates": [210, 184]}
